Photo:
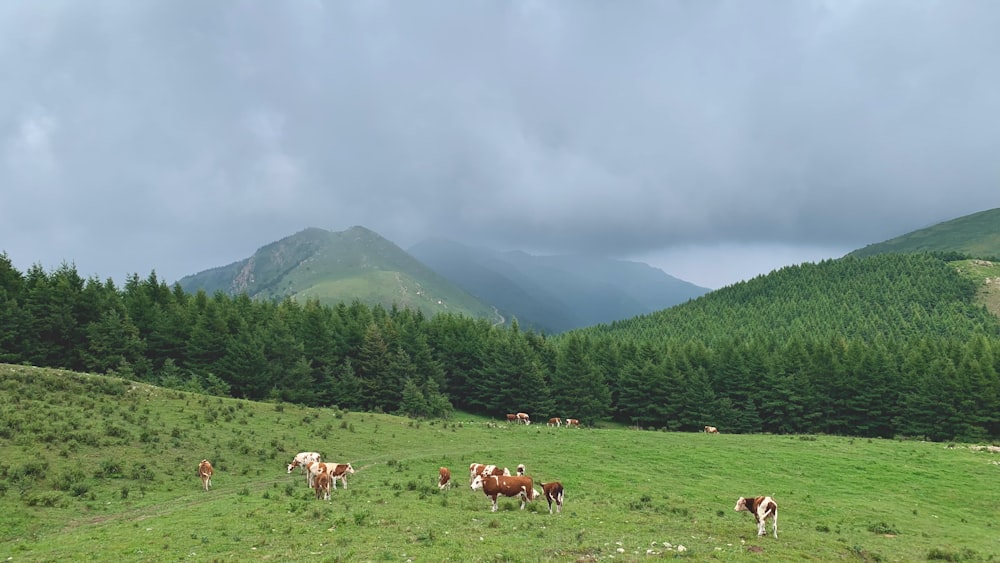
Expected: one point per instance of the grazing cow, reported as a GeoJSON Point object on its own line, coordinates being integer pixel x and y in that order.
{"type": "Point", "coordinates": [555, 421]}
{"type": "Point", "coordinates": [572, 422]}
{"type": "Point", "coordinates": [762, 508]}
{"type": "Point", "coordinates": [444, 478]}
{"type": "Point", "coordinates": [711, 430]}
{"type": "Point", "coordinates": [511, 418]}
{"type": "Point", "coordinates": [322, 485]}
{"type": "Point", "coordinates": [485, 471]}
{"type": "Point", "coordinates": [339, 471]}
{"type": "Point", "coordinates": [205, 472]}
{"type": "Point", "coordinates": [506, 485]}
{"type": "Point", "coordinates": [302, 458]}
{"type": "Point", "coordinates": [553, 493]}
{"type": "Point", "coordinates": [523, 417]}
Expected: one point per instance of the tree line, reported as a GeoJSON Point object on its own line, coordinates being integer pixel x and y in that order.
{"type": "Point", "coordinates": [879, 347]}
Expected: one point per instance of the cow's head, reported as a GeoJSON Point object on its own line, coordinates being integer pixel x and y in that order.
{"type": "Point", "coordinates": [349, 469]}
{"type": "Point", "coordinates": [477, 483]}
{"type": "Point", "coordinates": [292, 466]}
{"type": "Point", "coordinates": [741, 504]}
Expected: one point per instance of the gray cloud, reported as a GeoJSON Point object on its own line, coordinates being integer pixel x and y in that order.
{"type": "Point", "coordinates": [715, 139]}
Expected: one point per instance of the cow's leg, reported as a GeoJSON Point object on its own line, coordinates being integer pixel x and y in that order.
{"type": "Point", "coordinates": [774, 524]}
{"type": "Point", "coordinates": [494, 504]}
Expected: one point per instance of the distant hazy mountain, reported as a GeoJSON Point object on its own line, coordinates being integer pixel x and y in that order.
{"type": "Point", "coordinates": [974, 235]}
{"type": "Point", "coordinates": [556, 293]}
{"type": "Point", "coordinates": [356, 264]}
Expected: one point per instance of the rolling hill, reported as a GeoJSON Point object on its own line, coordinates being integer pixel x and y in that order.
{"type": "Point", "coordinates": [556, 293]}
{"type": "Point", "coordinates": [332, 267]}
{"type": "Point", "coordinates": [975, 235]}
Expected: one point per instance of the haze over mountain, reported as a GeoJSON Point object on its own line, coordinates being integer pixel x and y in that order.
{"type": "Point", "coordinates": [548, 293]}
{"type": "Point", "coordinates": [556, 293]}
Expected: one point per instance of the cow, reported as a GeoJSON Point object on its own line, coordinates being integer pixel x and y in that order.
{"type": "Point", "coordinates": [302, 458]}
{"type": "Point", "coordinates": [523, 417]}
{"type": "Point", "coordinates": [485, 471]}
{"type": "Point", "coordinates": [506, 485]}
{"type": "Point", "coordinates": [322, 485]}
{"type": "Point", "coordinates": [205, 472]}
{"type": "Point", "coordinates": [711, 430]}
{"type": "Point", "coordinates": [555, 421]}
{"type": "Point", "coordinates": [312, 469]}
{"type": "Point", "coordinates": [339, 471]}
{"type": "Point", "coordinates": [553, 493]}
{"type": "Point", "coordinates": [762, 508]}
{"type": "Point", "coordinates": [511, 418]}
{"type": "Point", "coordinates": [572, 422]}
{"type": "Point", "coordinates": [444, 478]}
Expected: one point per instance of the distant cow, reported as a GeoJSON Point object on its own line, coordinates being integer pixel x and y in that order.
{"type": "Point", "coordinates": [339, 471]}
{"type": "Point", "coordinates": [508, 486]}
{"type": "Point", "coordinates": [523, 417]}
{"type": "Point", "coordinates": [555, 421]}
{"type": "Point", "coordinates": [762, 508]}
{"type": "Point", "coordinates": [444, 478]}
{"type": "Point", "coordinates": [711, 430]}
{"type": "Point", "coordinates": [572, 422]}
{"type": "Point", "coordinates": [205, 472]}
{"type": "Point", "coordinates": [520, 469]}
{"type": "Point", "coordinates": [511, 418]}
{"type": "Point", "coordinates": [322, 485]}
{"type": "Point", "coordinates": [553, 493]}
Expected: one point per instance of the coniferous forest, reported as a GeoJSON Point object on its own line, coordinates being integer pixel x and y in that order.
{"type": "Point", "coordinates": [886, 346]}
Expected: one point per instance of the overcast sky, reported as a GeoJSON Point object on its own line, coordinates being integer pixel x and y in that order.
{"type": "Point", "coordinates": [716, 140]}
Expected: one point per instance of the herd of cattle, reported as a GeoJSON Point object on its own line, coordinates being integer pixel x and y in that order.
{"type": "Point", "coordinates": [523, 418]}
{"type": "Point", "coordinates": [493, 480]}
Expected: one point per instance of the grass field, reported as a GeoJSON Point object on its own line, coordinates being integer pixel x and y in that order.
{"type": "Point", "coordinates": [96, 468]}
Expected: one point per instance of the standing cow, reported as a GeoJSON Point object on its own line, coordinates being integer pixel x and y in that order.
{"type": "Point", "coordinates": [553, 493]}
{"type": "Point", "coordinates": [205, 472]}
{"type": "Point", "coordinates": [506, 485]}
{"type": "Point", "coordinates": [444, 478]}
{"type": "Point", "coordinates": [523, 418]}
{"type": "Point", "coordinates": [762, 508]}
{"type": "Point", "coordinates": [711, 430]}
{"type": "Point", "coordinates": [572, 422]}
{"type": "Point", "coordinates": [555, 421]}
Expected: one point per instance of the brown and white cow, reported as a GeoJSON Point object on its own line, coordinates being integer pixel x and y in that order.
{"type": "Point", "coordinates": [572, 422]}
{"type": "Point", "coordinates": [711, 430]}
{"type": "Point", "coordinates": [553, 493]}
{"type": "Point", "coordinates": [322, 485]}
{"type": "Point", "coordinates": [762, 508]}
{"type": "Point", "coordinates": [506, 485]}
{"type": "Point", "coordinates": [339, 471]}
{"type": "Point", "coordinates": [205, 472]}
{"type": "Point", "coordinates": [302, 458]}
{"type": "Point", "coordinates": [523, 418]}
{"type": "Point", "coordinates": [444, 478]}
{"type": "Point", "coordinates": [511, 418]}
{"type": "Point", "coordinates": [555, 421]}
{"type": "Point", "coordinates": [485, 470]}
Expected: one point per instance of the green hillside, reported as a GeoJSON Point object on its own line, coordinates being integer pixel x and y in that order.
{"type": "Point", "coordinates": [333, 267]}
{"type": "Point", "coordinates": [890, 297]}
{"type": "Point", "coordinates": [100, 468]}
{"type": "Point", "coordinates": [976, 235]}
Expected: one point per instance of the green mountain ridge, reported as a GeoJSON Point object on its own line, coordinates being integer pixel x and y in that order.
{"type": "Point", "coordinates": [976, 235]}
{"type": "Point", "coordinates": [332, 267]}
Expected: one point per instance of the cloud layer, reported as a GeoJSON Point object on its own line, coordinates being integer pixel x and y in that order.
{"type": "Point", "coordinates": [696, 135]}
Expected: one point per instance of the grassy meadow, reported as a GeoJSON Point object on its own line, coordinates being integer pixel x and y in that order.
{"type": "Point", "coordinates": [98, 468]}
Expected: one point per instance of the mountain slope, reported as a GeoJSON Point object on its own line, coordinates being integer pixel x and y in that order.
{"type": "Point", "coordinates": [556, 293]}
{"type": "Point", "coordinates": [976, 235]}
{"type": "Point", "coordinates": [333, 267]}
{"type": "Point", "coordinates": [885, 297]}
